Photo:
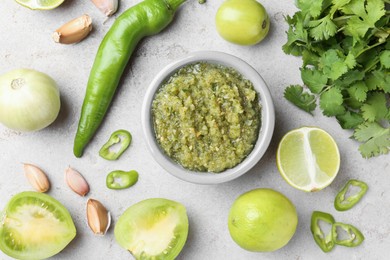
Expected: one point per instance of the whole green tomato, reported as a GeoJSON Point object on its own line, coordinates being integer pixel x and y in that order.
{"type": "Point", "coordinates": [243, 22]}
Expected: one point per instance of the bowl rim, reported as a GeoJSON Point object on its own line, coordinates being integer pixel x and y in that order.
{"type": "Point", "coordinates": [265, 132]}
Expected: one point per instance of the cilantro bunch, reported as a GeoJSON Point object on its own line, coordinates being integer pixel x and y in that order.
{"type": "Point", "coordinates": [345, 48]}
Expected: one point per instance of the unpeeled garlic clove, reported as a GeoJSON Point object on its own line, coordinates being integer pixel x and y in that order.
{"type": "Point", "coordinates": [76, 181]}
{"type": "Point", "coordinates": [36, 177]}
{"type": "Point", "coordinates": [99, 219]}
{"type": "Point", "coordinates": [74, 30]}
{"type": "Point", "coordinates": [108, 7]}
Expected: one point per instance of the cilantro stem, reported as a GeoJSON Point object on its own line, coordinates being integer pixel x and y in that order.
{"type": "Point", "coordinates": [372, 65]}
{"type": "Point", "coordinates": [327, 87]}
{"type": "Point", "coordinates": [340, 29]}
{"type": "Point", "coordinates": [341, 18]}
{"type": "Point", "coordinates": [369, 48]}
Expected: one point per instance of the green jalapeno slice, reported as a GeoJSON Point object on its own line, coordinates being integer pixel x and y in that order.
{"type": "Point", "coordinates": [324, 241]}
{"type": "Point", "coordinates": [343, 202]}
{"type": "Point", "coordinates": [121, 137]}
{"type": "Point", "coordinates": [354, 236]}
{"type": "Point", "coordinates": [118, 180]}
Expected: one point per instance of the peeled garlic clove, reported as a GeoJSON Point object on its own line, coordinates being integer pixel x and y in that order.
{"type": "Point", "coordinates": [108, 7]}
{"type": "Point", "coordinates": [74, 30]}
{"type": "Point", "coordinates": [76, 181]}
{"type": "Point", "coordinates": [36, 177]}
{"type": "Point", "coordinates": [99, 219]}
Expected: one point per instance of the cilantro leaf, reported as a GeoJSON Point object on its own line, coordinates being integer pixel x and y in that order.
{"type": "Point", "coordinates": [356, 27]}
{"type": "Point", "coordinates": [332, 65]}
{"type": "Point", "coordinates": [313, 8]}
{"type": "Point", "coordinates": [358, 91]}
{"type": "Point", "coordinates": [385, 59]}
{"type": "Point", "coordinates": [352, 103]}
{"type": "Point", "coordinates": [369, 13]}
{"type": "Point", "coordinates": [331, 102]}
{"type": "Point", "coordinates": [379, 79]}
{"type": "Point", "coordinates": [365, 16]}
{"type": "Point", "coordinates": [314, 79]}
{"type": "Point", "coordinates": [297, 36]}
{"type": "Point", "coordinates": [350, 60]}
{"type": "Point", "coordinates": [309, 58]}
{"type": "Point", "coordinates": [354, 7]}
{"type": "Point", "coordinates": [375, 10]}
{"type": "Point", "coordinates": [337, 4]}
{"type": "Point", "coordinates": [301, 99]}
{"type": "Point", "coordinates": [375, 108]}
{"type": "Point", "coordinates": [350, 120]}
{"type": "Point", "coordinates": [322, 29]}
{"type": "Point", "coordinates": [373, 81]}
{"type": "Point", "coordinates": [375, 139]}
{"type": "Point", "coordinates": [348, 78]}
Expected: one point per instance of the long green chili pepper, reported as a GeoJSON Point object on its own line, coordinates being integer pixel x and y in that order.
{"type": "Point", "coordinates": [324, 241]}
{"type": "Point", "coordinates": [342, 202]}
{"type": "Point", "coordinates": [119, 137]}
{"type": "Point", "coordinates": [118, 180]}
{"type": "Point", "coordinates": [354, 236]}
{"type": "Point", "coordinates": [147, 18]}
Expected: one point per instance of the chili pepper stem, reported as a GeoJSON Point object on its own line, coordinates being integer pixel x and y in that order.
{"type": "Point", "coordinates": [174, 4]}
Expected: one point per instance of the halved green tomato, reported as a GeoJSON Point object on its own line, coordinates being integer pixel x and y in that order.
{"type": "Point", "coordinates": [35, 226]}
{"type": "Point", "coordinates": [153, 229]}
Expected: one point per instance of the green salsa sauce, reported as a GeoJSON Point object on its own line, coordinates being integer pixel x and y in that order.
{"type": "Point", "coordinates": [206, 117]}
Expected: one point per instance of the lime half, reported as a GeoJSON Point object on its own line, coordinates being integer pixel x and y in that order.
{"type": "Point", "coordinates": [308, 158]}
{"type": "Point", "coordinates": [40, 4]}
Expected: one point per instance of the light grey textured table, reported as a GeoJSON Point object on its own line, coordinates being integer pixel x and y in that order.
{"type": "Point", "coordinates": [25, 41]}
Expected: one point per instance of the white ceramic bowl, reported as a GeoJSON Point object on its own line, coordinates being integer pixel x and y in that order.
{"type": "Point", "coordinates": [267, 118]}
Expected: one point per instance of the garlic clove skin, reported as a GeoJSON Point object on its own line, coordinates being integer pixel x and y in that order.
{"type": "Point", "coordinates": [76, 181]}
{"type": "Point", "coordinates": [73, 31]}
{"type": "Point", "coordinates": [36, 177]}
{"type": "Point", "coordinates": [107, 7]}
{"type": "Point", "coordinates": [99, 219]}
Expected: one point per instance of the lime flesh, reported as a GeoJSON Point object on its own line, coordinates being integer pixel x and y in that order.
{"type": "Point", "coordinates": [308, 158]}
{"type": "Point", "coordinates": [40, 4]}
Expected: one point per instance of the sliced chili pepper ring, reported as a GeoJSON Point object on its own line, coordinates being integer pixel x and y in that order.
{"type": "Point", "coordinates": [118, 180]}
{"type": "Point", "coordinates": [354, 236]}
{"type": "Point", "coordinates": [119, 137]}
{"type": "Point", "coordinates": [324, 241]}
{"type": "Point", "coordinates": [343, 202]}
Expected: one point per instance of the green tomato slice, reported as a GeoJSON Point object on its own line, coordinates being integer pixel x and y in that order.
{"type": "Point", "coordinates": [35, 226]}
{"type": "Point", "coordinates": [153, 229]}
